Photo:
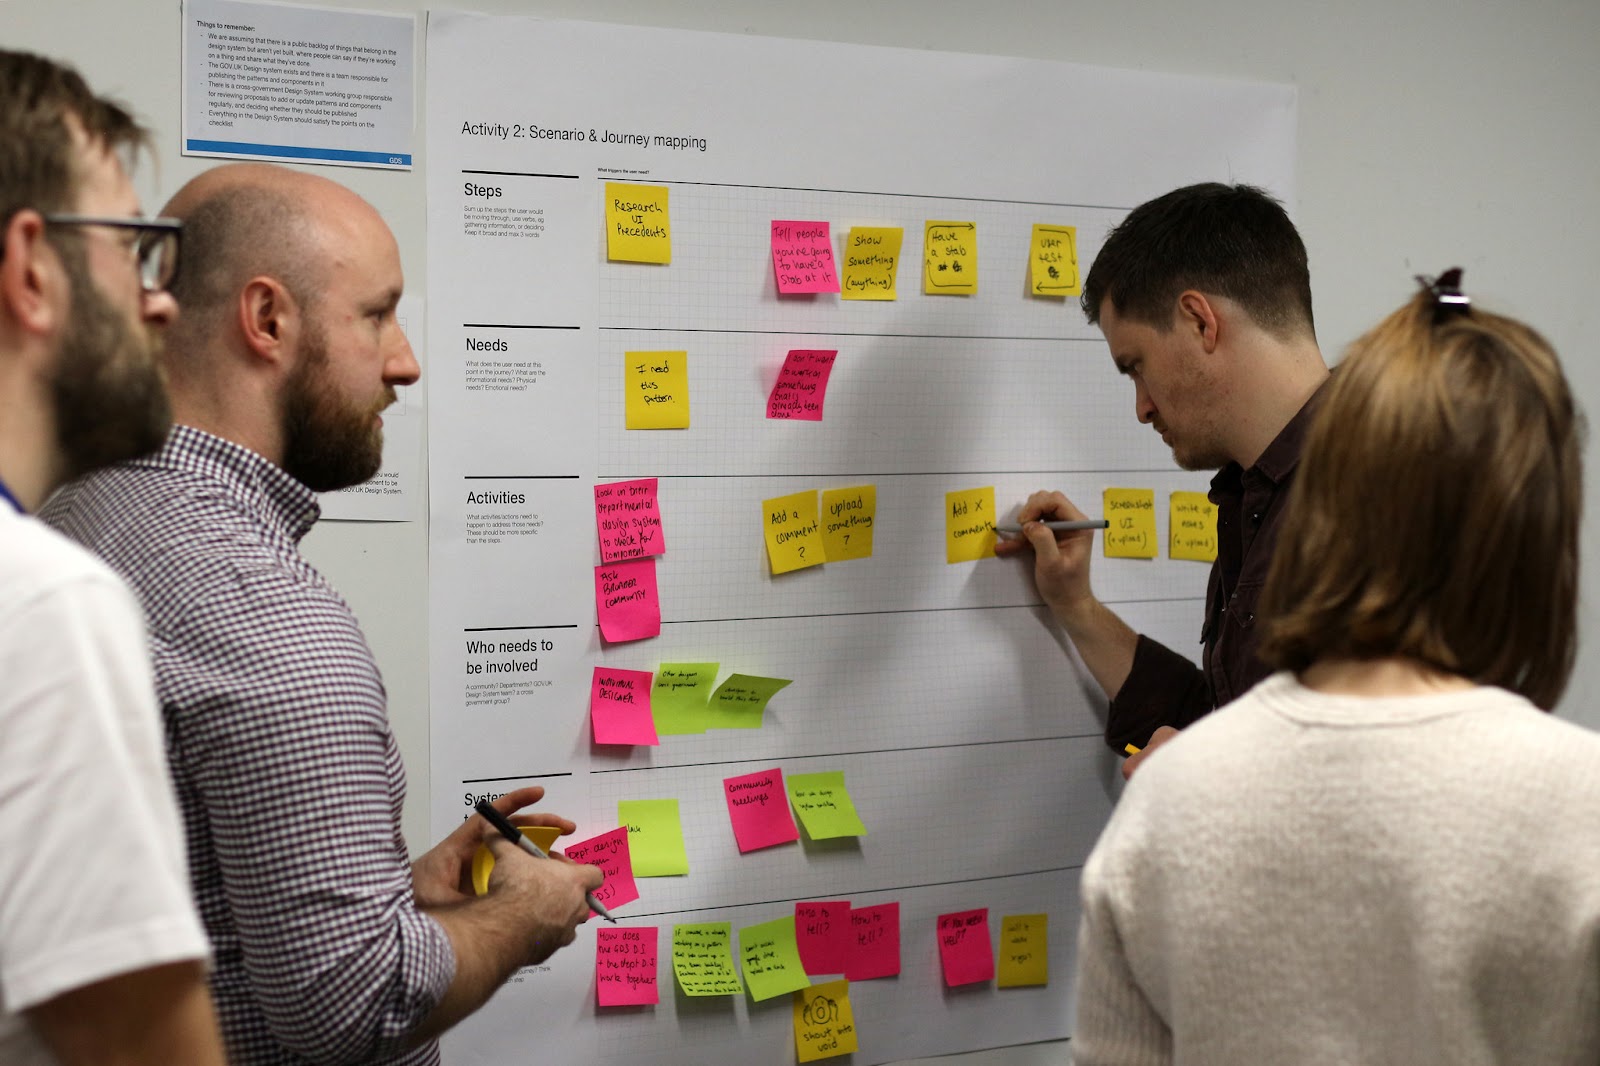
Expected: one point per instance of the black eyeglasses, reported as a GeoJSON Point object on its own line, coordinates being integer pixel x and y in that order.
{"type": "Point", "coordinates": [155, 245]}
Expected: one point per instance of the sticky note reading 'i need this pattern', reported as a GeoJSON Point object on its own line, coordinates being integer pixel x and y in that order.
{"type": "Point", "coordinates": [1192, 527]}
{"type": "Point", "coordinates": [1024, 950]}
{"type": "Point", "coordinates": [802, 385]}
{"type": "Point", "coordinates": [657, 386]}
{"type": "Point", "coordinates": [759, 810]}
{"type": "Point", "coordinates": [679, 697]}
{"type": "Point", "coordinates": [1132, 514]}
{"type": "Point", "coordinates": [625, 966]}
{"type": "Point", "coordinates": [626, 600]}
{"type": "Point", "coordinates": [950, 258]}
{"type": "Point", "coordinates": [627, 517]}
{"type": "Point", "coordinates": [969, 524]}
{"type": "Point", "coordinates": [638, 226]}
{"type": "Point", "coordinates": [770, 959]}
{"type": "Point", "coordinates": [655, 837]}
{"type": "Point", "coordinates": [824, 807]}
{"type": "Point", "coordinates": [871, 260]}
{"type": "Point", "coordinates": [793, 530]}
{"type": "Point", "coordinates": [848, 516]}
{"type": "Point", "coordinates": [1053, 261]}
{"type": "Point", "coordinates": [702, 959]}
{"type": "Point", "coordinates": [802, 257]}
{"type": "Point", "coordinates": [964, 948]}
{"type": "Point", "coordinates": [619, 707]}
{"type": "Point", "coordinates": [824, 1025]}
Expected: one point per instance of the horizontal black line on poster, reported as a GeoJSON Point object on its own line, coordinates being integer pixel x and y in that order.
{"type": "Point", "coordinates": [913, 610]}
{"type": "Point", "coordinates": [902, 195]}
{"type": "Point", "coordinates": [845, 754]}
{"type": "Point", "coordinates": [520, 477]}
{"type": "Point", "coordinates": [512, 325]}
{"type": "Point", "coordinates": [523, 174]}
{"type": "Point", "coordinates": [514, 777]}
{"type": "Point", "coordinates": [841, 333]}
{"type": "Point", "coordinates": [513, 629]}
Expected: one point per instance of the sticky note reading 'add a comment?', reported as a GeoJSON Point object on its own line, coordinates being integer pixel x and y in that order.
{"type": "Point", "coordinates": [824, 1025]}
{"type": "Point", "coordinates": [1024, 950]}
{"type": "Point", "coordinates": [625, 965]}
{"type": "Point", "coordinates": [964, 948]}
{"type": "Point", "coordinates": [1132, 514]}
{"type": "Point", "coordinates": [679, 698]}
{"type": "Point", "coordinates": [871, 261]}
{"type": "Point", "coordinates": [802, 385]}
{"type": "Point", "coordinates": [848, 516]}
{"type": "Point", "coordinates": [702, 959]}
{"type": "Point", "coordinates": [770, 959]}
{"type": "Point", "coordinates": [655, 837]}
{"type": "Point", "coordinates": [759, 810]}
{"type": "Point", "coordinates": [969, 525]}
{"type": "Point", "coordinates": [657, 386]}
{"type": "Point", "coordinates": [793, 531]}
{"type": "Point", "coordinates": [824, 807]}
{"type": "Point", "coordinates": [802, 257]}
{"type": "Point", "coordinates": [619, 707]}
{"type": "Point", "coordinates": [627, 518]}
{"type": "Point", "coordinates": [1053, 261]}
{"type": "Point", "coordinates": [1192, 527]}
{"type": "Point", "coordinates": [626, 600]}
{"type": "Point", "coordinates": [950, 258]}
{"type": "Point", "coordinates": [638, 227]}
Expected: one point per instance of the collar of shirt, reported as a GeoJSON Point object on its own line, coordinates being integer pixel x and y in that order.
{"type": "Point", "coordinates": [1277, 462]}
{"type": "Point", "coordinates": [262, 485]}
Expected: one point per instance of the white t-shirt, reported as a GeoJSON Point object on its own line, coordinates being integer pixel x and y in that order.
{"type": "Point", "coordinates": [1305, 878]}
{"type": "Point", "coordinates": [93, 881]}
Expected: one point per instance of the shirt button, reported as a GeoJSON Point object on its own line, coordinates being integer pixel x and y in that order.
{"type": "Point", "coordinates": [1255, 518]}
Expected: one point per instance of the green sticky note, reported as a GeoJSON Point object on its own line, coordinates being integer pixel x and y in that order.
{"type": "Point", "coordinates": [824, 807]}
{"type": "Point", "coordinates": [771, 959]}
{"type": "Point", "coordinates": [702, 959]}
{"type": "Point", "coordinates": [678, 697]}
{"type": "Point", "coordinates": [655, 837]}
{"type": "Point", "coordinates": [738, 702]}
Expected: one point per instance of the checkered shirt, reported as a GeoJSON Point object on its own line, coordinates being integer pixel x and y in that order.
{"type": "Point", "coordinates": [288, 776]}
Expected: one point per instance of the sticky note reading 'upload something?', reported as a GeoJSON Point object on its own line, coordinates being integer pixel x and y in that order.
{"type": "Point", "coordinates": [625, 965]}
{"type": "Point", "coordinates": [619, 707]}
{"type": "Point", "coordinates": [759, 810]}
{"type": "Point", "coordinates": [678, 699]}
{"type": "Point", "coordinates": [1024, 950]}
{"type": "Point", "coordinates": [802, 385]}
{"type": "Point", "coordinates": [1132, 514]}
{"type": "Point", "coordinates": [793, 531]}
{"type": "Point", "coordinates": [1053, 261]}
{"type": "Point", "coordinates": [638, 229]}
{"type": "Point", "coordinates": [969, 525]}
{"type": "Point", "coordinates": [824, 807]}
{"type": "Point", "coordinates": [627, 517]}
{"type": "Point", "coordinates": [1192, 527]}
{"type": "Point", "coordinates": [657, 386]}
{"type": "Point", "coordinates": [702, 959]}
{"type": "Point", "coordinates": [950, 258]}
{"type": "Point", "coordinates": [655, 837]}
{"type": "Point", "coordinates": [871, 260]}
{"type": "Point", "coordinates": [770, 959]}
{"type": "Point", "coordinates": [626, 600]}
{"type": "Point", "coordinates": [824, 1025]}
{"type": "Point", "coordinates": [964, 948]}
{"type": "Point", "coordinates": [848, 516]}
{"type": "Point", "coordinates": [802, 257]}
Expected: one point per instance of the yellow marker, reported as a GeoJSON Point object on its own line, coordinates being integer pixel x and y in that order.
{"type": "Point", "coordinates": [483, 859]}
{"type": "Point", "coordinates": [1132, 514]}
{"type": "Point", "coordinates": [871, 259]}
{"type": "Point", "coordinates": [1053, 261]}
{"type": "Point", "coordinates": [1192, 527]}
{"type": "Point", "coordinates": [1132, 749]}
{"type": "Point", "coordinates": [637, 226]}
{"type": "Point", "coordinates": [969, 525]}
{"type": "Point", "coordinates": [950, 258]}
{"type": "Point", "coordinates": [794, 532]}
{"type": "Point", "coordinates": [657, 386]}
{"type": "Point", "coordinates": [848, 516]}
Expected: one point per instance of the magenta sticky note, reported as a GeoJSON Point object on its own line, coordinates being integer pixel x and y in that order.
{"type": "Point", "coordinates": [802, 385]}
{"type": "Point", "coordinates": [802, 257]}
{"type": "Point", "coordinates": [627, 515]}
{"type": "Point", "coordinates": [759, 809]}
{"type": "Point", "coordinates": [965, 949]}
{"type": "Point", "coordinates": [625, 965]}
{"type": "Point", "coordinates": [875, 947]}
{"type": "Point", "coordinates": [822, 932]}
{"type": "Point", "coordinates": [625, 597]}
{"type": "Point", "coordinates": [609, 851]}
{"type": "Point", "coordinates": [619, 707]}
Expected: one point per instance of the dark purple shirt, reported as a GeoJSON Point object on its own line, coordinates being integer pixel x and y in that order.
{"type": "Point", "coordinates": [1165, 688]}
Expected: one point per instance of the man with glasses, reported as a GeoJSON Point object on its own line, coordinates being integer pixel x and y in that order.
{"type": "Point", "coordinates": [102, 958]}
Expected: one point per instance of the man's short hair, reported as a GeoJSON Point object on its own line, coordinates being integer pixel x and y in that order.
{"type": "Point", "coordinates": [1225, 240]}
{"type": "Point", "coordinates": [39, 101]}
{"type": "Point", "coordinates": [1435, 513]}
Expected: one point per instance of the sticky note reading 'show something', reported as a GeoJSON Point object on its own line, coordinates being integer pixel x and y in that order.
{"type": "Point", "coordinates": [824, 807]}
{"type": "Point", "coordinates": [679, 697]}
{"type": "Point", "coordinates": [1024, 950]}
{"type": "Point", "coordinates": [609, 851]}
{"type": "Point", "coordinates": [626, 599]}
{"type": "Point", "coordinates": [625, 965]}
{"type": "Point", "coordinates": [871, 259]}
{"type": "Point", "coordinates": [964, 948]}
{"type": "Point", "coordinates": [793, 529]}
{"type": "Point", "coordinates": [824, 1025]}
{"type": "Point", "coordinates": [802, 385]}
{"type": "Point", "coordinates": [770, 958]}
{"type": "Point", "coordinates": [619, 707]}
{"type": "Point", "coordinates": [702, 959]}
{"type": "Point", "coordinates": [627, 517]}
{"type": "Point", "coordinates": [759, 810]}
{"type": "Point", "coordinates": [740, 701]}
{"type": "Point", "coordinates": [848, 516]}
{"type": "Point", "coordinates": [969, 525]}
{"type": "Point", "coordinates": [655, 837]}
{"type": "Point", "coordinates": [802, 257]}
{"type": "Point", "coordinates": [1192, 527]}
{"type": "Point", "coordinates": [657, 386]}
{"type": "Point", "coordinates": [638, 226]}
{"type": "Point", "coordinates": [950, 258]}
{"type": "Point", "coordinates": [1132, 514]}
{"type": "Point", "coordinates": [823, 936]}
{"type": "Point", "coordinates": [876, 951]}
{"type": "Point", "coordinates": [1053, 261]}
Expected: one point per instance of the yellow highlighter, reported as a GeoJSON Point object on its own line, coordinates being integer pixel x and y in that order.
{"type": "Point", "coordinates": [1132, 749]}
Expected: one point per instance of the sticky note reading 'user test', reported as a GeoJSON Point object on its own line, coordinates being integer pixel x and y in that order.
{"type": "Point", "coordinates": [848, 516]}
{"type": "Point", "coordinates": [1132, 514]}
{"type": "Point", "coordinates": [824, 1025]}
{"type": "Point", "coordinates": [770, 959]}
{"type": "Point", "coordinates": [969, 525]}
{"type": "Point", "coordinates": [679, 697]}
{"type": "Point", "coordinates": [655, 837]}
{"type": "Point", "coordinates": [759, 810]}
{"type": "Point", "coordinates": [657, 386]}
{"type": "Point", "coordinates": [794, 533]}
{"type": "Point", "coordinates": [619, 707]}
{"type": "Point", "coordinates": [627, 516]}
{"type": "Point", "coordinates": [625, 965]}
{"type": "Point", "coordinates": [1192, 527]}
{"type": "Point", "coordinates": [626, 599]}
{"type": "Point", "coordinates": [638, 226]}
{"type": "Point", "coordinates": [964, 948]}
{"type": "Point", "coordinates": [802, 257]}
{"type": "Point", "coordinates": [1053, 261]}
{"type": "Point", "coordinates": [950, 258]}
{"type": "Point", "coordinates": [802, 385]}
{"type": "Point", "coordinates": [702, 959]}
{"type": "Point", "coordinates": [1024, 950]}
{"type": "Point", "coordinates": [871, 261]}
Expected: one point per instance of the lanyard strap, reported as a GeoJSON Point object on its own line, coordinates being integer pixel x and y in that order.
{"type": "Point", "coordinates": [5, 494]}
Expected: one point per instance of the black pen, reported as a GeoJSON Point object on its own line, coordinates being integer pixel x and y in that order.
{"type": "Point", "coordinates": [513, 834]}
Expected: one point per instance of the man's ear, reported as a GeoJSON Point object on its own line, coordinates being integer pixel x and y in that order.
{"type": "Point", "coordinates": [1198, 317]}
{"type": "Point", "coordinates": [30, 271]}
{"type": "Point", "coordinates": [269, 319]}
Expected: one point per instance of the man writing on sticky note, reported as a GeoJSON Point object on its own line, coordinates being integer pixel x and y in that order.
{"type": "Point", "coordinates": [1204, 298]}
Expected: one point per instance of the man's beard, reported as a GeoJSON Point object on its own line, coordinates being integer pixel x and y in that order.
{"type": "Point", "coordinates": [328, 444]}
{"type": "Point", "coordinates": [109, 392]}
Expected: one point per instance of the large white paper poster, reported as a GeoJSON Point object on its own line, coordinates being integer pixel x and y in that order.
{"type": "Point", "coordinates": [967, 742]}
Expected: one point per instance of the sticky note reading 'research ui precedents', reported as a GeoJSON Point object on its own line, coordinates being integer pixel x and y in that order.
{"type": "Point", "coordinates": [638, 229]}
{"type": "Point", "coordinates": [871, 260]}
{"type": "Point", "coordinates": [1192, 527]}
{"type": "Point", "coordinates": [950, 258]}
{"type": "Point", "coordinates": [969, 524]}
{"type": "Point", "coordinates": [793, 530]}
{"type": "Point", "coordinates": [1053, 261]}
{"type": "Point", "coordinates": [1132, 514]}
{"type": "Point", "coordinates": [657, 385]}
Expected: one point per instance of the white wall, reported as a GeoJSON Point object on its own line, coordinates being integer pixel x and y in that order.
{"type": "Point", "coordinates": [1432, 133]}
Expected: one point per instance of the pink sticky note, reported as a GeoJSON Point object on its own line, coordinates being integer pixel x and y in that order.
{"type": "Point", "coordinates": [628, 519]}
{"type": "Point", "coordinates": [625, 595]}
{"type": "Point", "coordinates": [619, 707]}
{"type": "Point", "coordinates": [822, 932]}
{"type": "Point", "coordinates": [802, 257]}
{"type": "Point", "coordinates": [609, 851]}
{"type": "Point", "coordinates": [625, 965]}
{"type": "Point", "coordinates": [965, 948]}
{"type": "Point", "coordinates": [759, 809]}
{"type": "Point", "coordinates": [875, 950]}
{"type": "Point", "coordinates": [802, 385]}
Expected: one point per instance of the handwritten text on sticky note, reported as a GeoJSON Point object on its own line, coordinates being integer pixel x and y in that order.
{"type": "Point", "coordinates": [702, 959]}
{"type": "Point", "coordinates": [759, 810]}
{"type": "Point", "coordinates": [1024, 950]}
{"type": "Point", "coordinates": [619, 707]}
{"type": "Point", "coordinates": [823, 935]}
{"type": "Point", "coordinates": [848, 516]}
{"type": "Point", "coordinates": [770, 958]}
{"type": "Point", "coordinates": [626, 600]}
{"type": "Point", "coordinates": [802, 385]}
{"type": "Point", "coordinates": [1192, 527]}
{"type": "Point", "coordinates": [638, 225]}
{"type": "Point", "coordinates": [802, 257]}
{"type": "Point", "coordinates": [824, 807]}
{"type": "Point", "coordinates": [609, 851]}
{"type": "Point", "coordinates": [740, 701]}
{"type": "Point", "coordinates": [964, 947]}
{"type": "Point", "coordinates": [625, 965]}
{"type": "Point", "coordinates": [793, 531]}
{"type": "Point", "coordinates": [1132, 514]}
{"type": "Point", "coordinates": [655, 837]}
{"type": "Point", "coordinates": [950, 258]}
{"type": "Point", "coordinates": [876, 952]}
{"type": "Point", "coordinates": [824, 1025]}
{"type": "Point", "coordinates": [969, 524]}
{"type": "Point", "coordinates": [628, 518]}
{"type": "Point", "coordinates": [871, 260]}
{"type": "Point", "coordinates": [1053, 261]}
{"type": "Point", "coordinates": [678, 699]}
{"type": "Point", "coordinates": [657, 386]}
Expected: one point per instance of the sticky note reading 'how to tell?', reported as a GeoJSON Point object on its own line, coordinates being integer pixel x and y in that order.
{"type": "Point", "coordinates": [759, 810]}
{"type": "Point", "coordinates": [969, 525]}
{"type": "Point", "coordinates": [794, 533]}
{"type": "Point", "coordinates": [876, 951]}
{"type": "Point", "coordinates": [619, 707]}
{"type": "Point", "coordinates": [824, 807]}
{"type": "Point", "coordinates": [627, 517]}
{"type": "Point", "coordinates": [824, 1025]}
{"type": "Point", "coordinates": [770, 959]}
{"type": "Point", "coordinates": [964, 948]}
{"type": "Point", "coordinates": [626, 599]}
{"type": "Point", "coordinates": [702, 959]}
{"type": "Point", "coordinates": [950, 258]}
{"type": "Point", "coordinates": [1053, 261]}
{"type": "Point", "coordinates": [625, 965]}
{"type": "Point", "coordinates": [802, 257]}
{"type": "Point", "coordinates": [1192, 527]}
{"type": "Point", "coordinates": [638, 229]}
{"type": "Point", "coordinates": [802, 385]}
{"type": "Point", "coordinates": [1132, 514]}
{"type": "Point", "coordinates": [657, 386]}
{"type": "Point", "coordinates": [655, 837]}
{"type": "Point", "coordinates": [679, 697]}
{"type": "Point", "coordinates": [871, 260]}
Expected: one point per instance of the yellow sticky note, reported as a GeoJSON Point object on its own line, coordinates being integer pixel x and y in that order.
{"type": "Point", "coordinates": [658, 389]}
{"type": "Point", "coordinates": [848, 516]}
{"type": "Point", "coordinates": [1024, 950]}
{"type": "Point", "coordinates": [1192, 527]}
{"type": "Point", "coordinates": [483, 859]}
{"type": "Point", "coordinates": [950, 258]}
{"type": "Point", "coordinates": [794, 533]}
{"type": "Point", "coordinates": [824, 1026]}
{"type": "Point", "coordinates": [969, 525]}
{"type": "Point", "coordinates": [1053, 261]}
{"type": "Point", "coordinates": [655, 837]}
{"type": "Point", "coordinates": [1132, 514]}
{"type": "Point", "coordinates": [871, 259]}
{"type": "Point", "coordinates": [638, 229]}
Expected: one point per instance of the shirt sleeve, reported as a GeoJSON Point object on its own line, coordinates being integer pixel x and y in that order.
{"type": "Point", "coordinates": [285, 735]}
{"type": "Point", "coordinates": [1163, 688]}
{"type": "Point", "coordinates": [92, 878]}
